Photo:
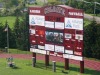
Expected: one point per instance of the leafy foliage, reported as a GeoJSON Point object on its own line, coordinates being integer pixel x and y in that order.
{"type": "Point", "coordinates": [88, 6]}
{"type": "Point", "coordinates": [92, 40]}
{"type": "Point", "coordinates": [21, 32]}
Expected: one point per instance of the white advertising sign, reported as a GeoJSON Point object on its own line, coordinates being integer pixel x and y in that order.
{"type": "Point", "coordinates": [38, 51]}
{"type": "Point", "coordinates": [59, 49]}
{"type": "Point", "coordinates": [79, 37]}
{"type": "Point", "coordinates": [68, 51]}
{"type": "Point", "coordinates": [73, 57]}
{"type": "Point", "coordinates": [40, 47]}
{"type": "Point", "coordinates": [75, 13]}
{"type": "Point", "coordinates": [35, 11]}
{"type": "Point", "coordinates": [49, 47]}
{"type": "Point", "coordinates": [59, 25]}
{"type": "Point", "coordinates": [74, 23]}
{"type": "Point", "coordinates": [49, 24]}
{"type": "Point", "coordinates": [36, 20]}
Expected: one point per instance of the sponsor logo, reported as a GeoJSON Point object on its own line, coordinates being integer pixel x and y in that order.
{"type": "Point", "coordinates": [41, 47]}
{"type": "Point", "coordinates": [49, 47]}
{"type": "Point", "coordinates": [78, 53]}
{"type": "Point", "coordinates": [73, 57]}
{"type": "Point", "coordinates": [59, 49]}
{"type": "Point", "coordinates": [34, 11]}
{"type": "Point", "coordinates": [76, 13]}
{"type": "Point", "coordinates": [69, 36]}
{"type": "Point", "coordinates": [49, 24]}
{"type": "Point", "coordinates": [79, 36]}
{"type": "Point", "coordinates": [36, 20]}
{"type": "Point", "coordinates": [54, 9]}
{"type": "Point", "coordinates": [32, 21]}
{"type": "Point", "coordinates": [59, 25]}
{"type": "Point", "coordinates": [68, 24]}
{"type": "Point", "coordinates": [73, 23]}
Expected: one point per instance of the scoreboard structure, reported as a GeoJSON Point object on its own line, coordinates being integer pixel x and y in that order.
{"type": "Point", "coordinates": [57, 31]}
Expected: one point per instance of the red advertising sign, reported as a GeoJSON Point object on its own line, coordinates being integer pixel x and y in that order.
{"type": "Point", "coordinates": [57, 30]}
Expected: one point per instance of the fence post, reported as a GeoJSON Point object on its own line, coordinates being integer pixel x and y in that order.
{"type": "Point", "coordinates": [54, 66]}
{"type": "Point", "coordinates": [33, 61]}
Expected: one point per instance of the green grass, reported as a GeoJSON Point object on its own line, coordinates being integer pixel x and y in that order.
{"type": "Point", "coordinates": [24, 67]}
{"type": "Point", "coordinates": [86, 22]}
{"type": "Point", "coordinates": [9, 19]}
{"type": "Point", "coordinates": [14, 51]}
{"type": "Point", "coordinates": [17, 51]}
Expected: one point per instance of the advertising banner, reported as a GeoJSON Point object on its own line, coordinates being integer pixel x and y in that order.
{"type": "Point", "coordinates": [69, 51]}
{"type": "Point", "coordinates": [56, 30]}
{"type": "Point", "coordinates": [59, 49]}
{"type": "Point", "coordinates": [49, 24]}
{"type": "Point", "coordinates": [59, 25]}
{"type": "Point", "coordinates": [49, 47]}
{"type": "Point", "coordinates": [74, 23]}
{"type": "Point", "coordinates": [80, 58]}
{"type": "Point", "coordinates": [38, 51]}
{"type": "Point", "coordinates": [55, 53]}
{"type": "Point", "coordinates": [41, 47]}
{"type": "Point", "coordinates": [36, 20]}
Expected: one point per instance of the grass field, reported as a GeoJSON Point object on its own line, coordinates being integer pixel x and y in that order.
{"type": "Point", "coordinates": [17, 51]}
{"type": "Point", "coordinates": [24, 67]}
{"type": "Point", "coordinates": [9, 19]}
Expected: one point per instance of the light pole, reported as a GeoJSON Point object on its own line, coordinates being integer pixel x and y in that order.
{"type": "Point", "coordinates": [94, 7]}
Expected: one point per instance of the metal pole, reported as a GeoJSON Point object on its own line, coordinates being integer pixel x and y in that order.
{"type": "Point", "coordinates": [44, 1]}
{"type": "Point", "coordinates": [7, 38]}
{"type": "Point", "coordinates": [94, 7]}
{"type": "Point", "coordinates": [54, 66]}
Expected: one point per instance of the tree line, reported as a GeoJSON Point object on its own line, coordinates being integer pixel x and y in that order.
{"type": "Point", "coordinates": [18, 36]}
{"type": "Point", "coordinates": [87, 5]}
{"type": "Point", "coordinates": [92, 40]}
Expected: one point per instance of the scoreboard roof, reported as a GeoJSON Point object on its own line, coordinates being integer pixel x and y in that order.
{"type": "Point", "coordinates": [65, 11]}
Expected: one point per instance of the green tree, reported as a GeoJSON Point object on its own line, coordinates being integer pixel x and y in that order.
{"type": "Point", "coordinates": [54, 2]}
{"type": "Point", "coordinates": [97, 45]}
{"type": "Point", "coordinates": [90, 39]}
{"type": "Point", "coordinates": [16, 30]}
{"type": "Point", "coordinates": [21, 32]}
{"type": "Point", "coordinates": [2, 36]}
{"type": "Point", "coordinates": [25, 31]}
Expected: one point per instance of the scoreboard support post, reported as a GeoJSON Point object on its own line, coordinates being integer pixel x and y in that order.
{"type": "Point", "coordinates": [81, 66]}
{"type": "Point", "coordinates": [34, 55]}
{"type": "Point", "coordinates": [66, 64]}
{"type": "Point", "coordinates": [47, 60]}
